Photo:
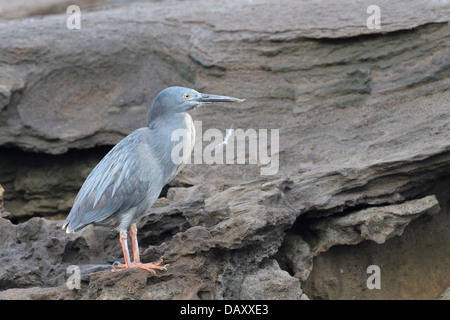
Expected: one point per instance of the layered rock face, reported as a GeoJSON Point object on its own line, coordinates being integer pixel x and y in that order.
{"type": "Point", "coordinates": [363, 170]}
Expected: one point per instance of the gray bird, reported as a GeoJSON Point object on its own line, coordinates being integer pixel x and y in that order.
{"type": "Point", "coordinates": [128, 180]}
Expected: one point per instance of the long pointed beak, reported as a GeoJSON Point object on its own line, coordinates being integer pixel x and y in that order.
{"type": "Point", "coordinates": [211, 98]}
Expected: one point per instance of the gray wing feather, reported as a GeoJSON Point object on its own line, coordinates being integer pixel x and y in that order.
{"type": "Point", "coordinates": [117, 183]}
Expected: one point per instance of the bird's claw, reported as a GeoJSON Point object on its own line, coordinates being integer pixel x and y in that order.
{"type": "Point", "coordinates": [145, 266]}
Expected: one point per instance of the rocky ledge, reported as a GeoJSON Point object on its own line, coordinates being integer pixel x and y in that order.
{"type": "Point", "coordinates": [364, 153]}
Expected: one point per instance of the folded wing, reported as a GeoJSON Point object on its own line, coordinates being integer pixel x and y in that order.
{"type": "Point", "coordinates": [119, 182]}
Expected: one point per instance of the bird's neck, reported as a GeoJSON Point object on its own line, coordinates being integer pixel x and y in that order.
{"type": "Point", "coordinates": [182, 130]}
{"type": "Point", "coordinates": [174, 137]}
{"type": "Point", "coordinates": [176, 121]}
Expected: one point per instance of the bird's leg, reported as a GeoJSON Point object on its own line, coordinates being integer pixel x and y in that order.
{"type": "Point", "coordinates": [136, 260]}
{"type": "Point", "coordinates": [123, 242]}
{"type": "Point", "coordinates": [126, 253]}
{"type": "Point", "coordinates": [133, 234]}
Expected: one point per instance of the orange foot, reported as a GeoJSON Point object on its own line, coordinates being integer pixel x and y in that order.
{"type": "Point", "coordinates": [146, 266]}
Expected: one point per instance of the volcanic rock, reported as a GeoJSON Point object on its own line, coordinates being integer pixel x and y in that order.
{"type": "Point", "coordinates": [364, 149]}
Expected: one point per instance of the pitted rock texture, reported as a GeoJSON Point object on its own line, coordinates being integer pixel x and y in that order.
{"type": "Point", "coordinates": [363, 118]}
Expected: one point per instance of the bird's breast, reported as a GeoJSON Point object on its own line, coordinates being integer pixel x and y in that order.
{"type": "Point", "coordinates": [177, 146]}
{"type": "Point", "coordinates": [189, 138]}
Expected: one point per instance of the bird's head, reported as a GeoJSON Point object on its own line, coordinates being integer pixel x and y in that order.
{"type": "Point", "coordinates": [176, 100]}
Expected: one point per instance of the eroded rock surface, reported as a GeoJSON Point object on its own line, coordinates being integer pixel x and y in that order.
{"type": "Point", "coordinates": [364, 139]}
{"type": "Point", "coordinates": [376, 224]}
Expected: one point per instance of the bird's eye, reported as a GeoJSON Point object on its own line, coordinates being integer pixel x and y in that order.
{"type": "Point", "coordinates": [186, 96]}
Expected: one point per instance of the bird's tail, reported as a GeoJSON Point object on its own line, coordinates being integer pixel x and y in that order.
{"type": "Point", "coordinates": [66, 227]}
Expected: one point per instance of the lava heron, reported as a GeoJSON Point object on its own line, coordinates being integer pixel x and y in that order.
{"type": "Point", "coordinates": [128, 180]}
